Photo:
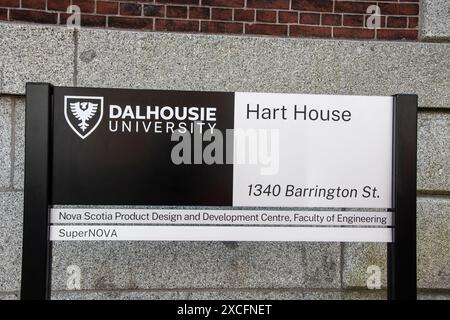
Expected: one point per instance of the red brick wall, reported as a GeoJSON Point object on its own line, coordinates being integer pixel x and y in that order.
{"type": "Point", "coordinates": [294, 18]}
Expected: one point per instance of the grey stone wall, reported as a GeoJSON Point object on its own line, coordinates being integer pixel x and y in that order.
{"type": "Point", "coordinates": [435, 20]}
{"type": "Point", "coordinates": [198, 270]}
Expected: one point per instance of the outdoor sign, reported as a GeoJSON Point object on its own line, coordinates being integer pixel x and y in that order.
{"type": "Point", "coordinates": [122, 164]}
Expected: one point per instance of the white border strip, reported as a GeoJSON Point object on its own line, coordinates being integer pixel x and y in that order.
{"type": "Point", "coordinates": [210, 233]}
{"type": "Point", "coordinates": [220, 217]}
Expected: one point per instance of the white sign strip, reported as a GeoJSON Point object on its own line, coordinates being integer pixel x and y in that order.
{"type": "Point", "coordinates": [219, 217]}
{"type": "Point", "coordinates": [210, 233]}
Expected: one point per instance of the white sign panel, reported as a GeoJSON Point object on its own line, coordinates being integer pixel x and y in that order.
{"type": "Point", "coordinates": [327, 151]}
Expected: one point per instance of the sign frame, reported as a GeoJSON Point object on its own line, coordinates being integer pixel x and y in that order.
{"type": "Point", "coordinates": [37, 247]}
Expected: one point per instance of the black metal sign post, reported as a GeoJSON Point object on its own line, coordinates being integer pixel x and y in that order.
{"type": "Point", "coordinates": [402, 251]}
{"type": "Point", "coordinates": [43, 179]}
{"type": "Point", "coordinates": [36, 252]}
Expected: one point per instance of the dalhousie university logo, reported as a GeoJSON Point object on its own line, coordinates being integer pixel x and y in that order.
{"type": "Point", "coordinates": [83, 113]}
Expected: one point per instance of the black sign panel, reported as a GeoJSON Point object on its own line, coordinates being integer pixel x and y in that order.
{"type": "Point", "coordinates": [113, 147]}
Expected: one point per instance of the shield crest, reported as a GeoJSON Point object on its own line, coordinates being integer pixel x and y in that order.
{"type": "Point", "coordinates": [83, 114]}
